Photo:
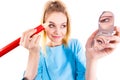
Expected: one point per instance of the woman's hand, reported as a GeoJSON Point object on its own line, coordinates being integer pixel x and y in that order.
{"type": "Point", "coordinates": [95, 50]}
{"type": "Point", "coordinates": [30, 42]}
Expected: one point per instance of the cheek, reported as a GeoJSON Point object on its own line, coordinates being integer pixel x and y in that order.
{"type": "Point", "coordinates": [49, 32]}
{"type": "Point", "coordinates": [48, 35]}
{"type": "Point", "coordinates": [65, 31]}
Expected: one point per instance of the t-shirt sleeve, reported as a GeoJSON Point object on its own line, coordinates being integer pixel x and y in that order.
{"type": "Point", "coordinates": [80, 60]}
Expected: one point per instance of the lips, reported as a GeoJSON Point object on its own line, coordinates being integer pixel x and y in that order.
{"type": "Point", "coordinates": [56, 36]}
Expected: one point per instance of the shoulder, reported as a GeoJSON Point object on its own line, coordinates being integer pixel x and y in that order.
{"type": "Point", "coordinates": [74, 42]}
{"type": "Point", "coordinates": [75, 45]}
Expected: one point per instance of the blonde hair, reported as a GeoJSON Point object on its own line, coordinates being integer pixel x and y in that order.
{"type": "Point", "coordinates": [50, 7]}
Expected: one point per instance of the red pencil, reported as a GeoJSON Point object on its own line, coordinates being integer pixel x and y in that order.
{"type": "Point", "coordinates": [15, 43]}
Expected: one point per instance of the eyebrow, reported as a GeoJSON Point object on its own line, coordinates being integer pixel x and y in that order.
{"type": "Point", "coordinates": [107, 16]}
{"type": "Point", "coordinates": [104, 17]}
{"type": "Point", "coordinates": [51, 22]}
{"type": "Point", "coordinates": [54, 23]}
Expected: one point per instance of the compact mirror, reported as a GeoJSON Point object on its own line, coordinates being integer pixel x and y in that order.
{"type": "Point", "coordinates": [106, 24]}
{"type": "Point", "coordinates": [106, 28]}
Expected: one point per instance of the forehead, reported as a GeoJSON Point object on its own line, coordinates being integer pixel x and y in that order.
{"type": "Point", "coordinates": [56, 17]}
{"type": "Point", "coordinates": [107, 14]}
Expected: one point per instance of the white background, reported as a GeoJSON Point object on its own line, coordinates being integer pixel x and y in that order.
{"type": "Point", "coordinates": [16, 16]}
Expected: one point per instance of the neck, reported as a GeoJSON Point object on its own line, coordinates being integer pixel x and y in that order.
{"type": "Point", "coordinates": [53, 44]}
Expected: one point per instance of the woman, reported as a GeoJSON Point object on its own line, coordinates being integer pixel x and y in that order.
{"type": "Point", "coordinates": [59, 58]}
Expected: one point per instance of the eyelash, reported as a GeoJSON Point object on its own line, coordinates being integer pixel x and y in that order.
{"type": "Point", "coordinates": [105, 20]}
{"type": "Point", "coordinates": [63, 26]}
{"type": "Point", "coordinates": [52, 26]}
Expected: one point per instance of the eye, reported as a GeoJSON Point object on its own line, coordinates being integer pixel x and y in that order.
{"type": "Point", "coordinates": [105, 20]}
{"type": "Point", "coordinates": [51, 25]}
{"type": "Point", "coordinates": [99, 41]}
{"type": "Point", "coordinates": [63, 26]}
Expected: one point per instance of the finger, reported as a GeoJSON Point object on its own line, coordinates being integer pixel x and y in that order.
{"type": "Point", "coordinates": [45, 24]}
{"type": "Point", "coordinates": [100, 40]}
{"type": "Point", "coordinates": [24, 36]}
{"type": "Point", "coordinates": [91, 39]}
{"type": "Point", "coordinates": [107, 50]}
{"type": "Point", "coordinates": [113, 39]}
{"type": "Point", "coordinates": [38, 39]}
{"type": "Point", "coordinates": [106, 47]}
{"type": "Point", "coordinates": [33, 41]}
{"type": "Point", "coordinates": [117, 29]}
{"type": "Point", "coordinates": [111, 46]}
{"type": "Point", "coordinates": [27, 35]}
{"type": "Point", "coordinates": [21, 40]}
{"type": "Point", "coordinates": [98, 46]}
{"type": "Point", "coordinates": [30, 33]}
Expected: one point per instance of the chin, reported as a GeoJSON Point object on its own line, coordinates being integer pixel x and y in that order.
{"type": "Point", "coordinates": [57, 41]}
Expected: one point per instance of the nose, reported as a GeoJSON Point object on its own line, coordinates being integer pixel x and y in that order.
{"type": "Point", "coordinates": [57, 31]}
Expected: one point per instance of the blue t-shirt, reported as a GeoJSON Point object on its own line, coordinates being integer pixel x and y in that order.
{"type": "Point", "coordinates": [62, 63]}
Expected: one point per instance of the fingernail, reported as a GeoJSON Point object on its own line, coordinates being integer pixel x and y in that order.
{"type": "Point", "coordinates": [35, 30]}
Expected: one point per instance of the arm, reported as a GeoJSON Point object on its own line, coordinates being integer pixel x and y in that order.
{"type": "Point", "coordinates": [95, 51]}
{"type": "Point", "coordinates": [91, 58]}
{"type": "Point", "coordinates": [91, 70]}
{"type": "Point", "coordinates": [32, 66]}
{"type": "Point", "coordinates": [32, 44]}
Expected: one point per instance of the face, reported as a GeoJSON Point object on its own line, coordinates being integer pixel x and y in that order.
{"type": "Point", "coordinates": [57, 27]}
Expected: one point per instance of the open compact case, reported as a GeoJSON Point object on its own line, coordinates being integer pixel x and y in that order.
{"type": "Point", "coordinates": [106, 29]}
{"type": "Point", "coordinates": [106, 24]}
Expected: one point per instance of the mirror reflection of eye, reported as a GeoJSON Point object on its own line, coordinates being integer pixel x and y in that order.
{"type": "Point", "coordinates": [104, 20]}
{"type": "Point", "coordinates": [99, 41]}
